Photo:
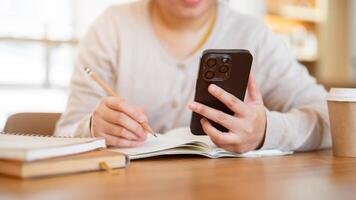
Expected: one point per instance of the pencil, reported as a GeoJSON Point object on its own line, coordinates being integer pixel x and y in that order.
{"type": "Point", "coordinates": [111, 92]}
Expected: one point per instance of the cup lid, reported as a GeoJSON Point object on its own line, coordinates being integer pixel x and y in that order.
{"type": "Point", "coordinates": [342, 94]}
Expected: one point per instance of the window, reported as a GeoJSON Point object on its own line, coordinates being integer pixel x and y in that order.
{"type": "Point", "coordinates": [32, 35]}
{"type": "Point", "coordinates": [38, 39]}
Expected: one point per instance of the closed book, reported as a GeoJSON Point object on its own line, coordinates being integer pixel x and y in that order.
{"type": "Point", "coordinates": [84, 162]}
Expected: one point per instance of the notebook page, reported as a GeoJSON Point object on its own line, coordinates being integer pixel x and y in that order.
{"type": "Point", "coordinates": [22, 142]}
{"type": "Point", "coordinates": [216, 152]}
{"type": "Point", "coordinates": [159, 143]}
{"type": "Point", "coordinates": [186, 133]}
{"type": "Point", "coordinates": [174, 138]}
{"type": "Point", "coordinates": [179, 138]}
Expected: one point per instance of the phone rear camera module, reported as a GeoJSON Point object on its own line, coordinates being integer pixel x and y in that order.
{"type": "Point", "coordinates": [211, 62]}
{"type": "Point", "coordinates": [209, 75]}
{"type": "Point", "coordinates": [223, 69]}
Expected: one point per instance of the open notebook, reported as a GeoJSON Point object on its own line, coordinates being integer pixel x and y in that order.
{"type": "Point", "coordinates": [180, 141]}
{"type": "Point", "coordinates": [32, 147]}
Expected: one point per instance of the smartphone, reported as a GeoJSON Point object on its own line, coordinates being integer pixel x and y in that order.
{"type": "Point", "coordinates": [226, 68]}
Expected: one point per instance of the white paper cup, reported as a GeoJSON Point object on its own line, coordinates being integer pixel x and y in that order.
{"type": "Point", "coordinates": [342, 113]}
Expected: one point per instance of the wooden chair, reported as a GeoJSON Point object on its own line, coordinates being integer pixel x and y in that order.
{"type": "Point", "coordinates": [32, 123]}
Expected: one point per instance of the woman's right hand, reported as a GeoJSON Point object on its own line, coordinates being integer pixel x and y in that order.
{"type": "Point", "coordinates": [119, 122]}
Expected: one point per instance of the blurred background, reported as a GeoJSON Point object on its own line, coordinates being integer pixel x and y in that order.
{"type": "Point", "coordinates": [38, 40]}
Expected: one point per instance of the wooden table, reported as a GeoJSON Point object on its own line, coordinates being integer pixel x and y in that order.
{"type": "Point", "coordinates": [316, 175]}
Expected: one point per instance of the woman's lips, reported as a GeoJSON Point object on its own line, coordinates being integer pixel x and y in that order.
{"type": "Point", "coordinates": [192, 2]}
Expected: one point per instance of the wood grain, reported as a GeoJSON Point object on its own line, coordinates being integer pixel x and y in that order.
{"type": "Point", "coordinates": [316, 175]}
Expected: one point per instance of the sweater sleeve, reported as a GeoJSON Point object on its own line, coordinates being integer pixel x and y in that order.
{"type": "Point", "coordinates": [98, 50]}
{"type": "Point", "coordinates": [297, 116]}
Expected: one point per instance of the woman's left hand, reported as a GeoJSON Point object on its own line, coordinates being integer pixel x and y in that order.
{"type": "Point", "coordinates": [246, 127]}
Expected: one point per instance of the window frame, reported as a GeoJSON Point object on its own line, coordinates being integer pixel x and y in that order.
{"type": "Point", "coordinates": [49, 45]}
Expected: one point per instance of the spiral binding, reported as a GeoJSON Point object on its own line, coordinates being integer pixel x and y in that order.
{"type": "Point", "coordinates": [36, 135]}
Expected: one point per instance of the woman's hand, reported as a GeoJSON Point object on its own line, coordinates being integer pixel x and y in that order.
{"type": "Point", "coordinates": [247, 126]}
{"type": "Point", "coordinates": [119, 122]}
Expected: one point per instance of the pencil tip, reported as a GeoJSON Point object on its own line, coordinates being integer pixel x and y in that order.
{"type": "Point", "coordinates": [152, 132]}
{"type": "Point", "coordinates": [87, 70]}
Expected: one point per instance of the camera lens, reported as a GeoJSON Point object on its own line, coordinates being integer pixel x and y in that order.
{"type": "Point", "coordinates": [225, 60]}
{"type": "Point", "coordinates": [211, 62]}
{"type": "Point", "coordinates": [209, 75]}
{"type": "Point", "coordinates": [223, 69]}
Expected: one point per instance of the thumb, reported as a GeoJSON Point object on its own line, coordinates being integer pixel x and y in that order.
{"type": "Point", "coordinates": [253, 93]}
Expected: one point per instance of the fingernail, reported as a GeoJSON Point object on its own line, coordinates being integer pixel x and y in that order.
{"type": "Point", "coordinates": [213, 87]}
{"type": "Point", "coordinates": [142, 118]}
{"type": "Point", "coordinates": [193, 106]}
{"type": "Point", "coordinates": [202, 120]}
{"type": "Point", "coordinates": [143, 132]}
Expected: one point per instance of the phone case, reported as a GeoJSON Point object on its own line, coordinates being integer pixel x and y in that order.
{"type": "Point", "coordinates": [234, 81]}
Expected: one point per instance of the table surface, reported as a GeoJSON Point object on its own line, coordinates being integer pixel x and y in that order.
{"type": "Point", "coordinates": [315, 175]}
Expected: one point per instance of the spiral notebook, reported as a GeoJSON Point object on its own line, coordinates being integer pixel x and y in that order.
{"type": "Point", "coordinates": [34, 147]}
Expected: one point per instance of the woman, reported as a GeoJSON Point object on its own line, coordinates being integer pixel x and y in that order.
{"type": "Point", "coordinates": [149, 52]}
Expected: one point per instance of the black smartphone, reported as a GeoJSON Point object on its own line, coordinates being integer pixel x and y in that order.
{"type": "Point", "coordinates": [226, 68]}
